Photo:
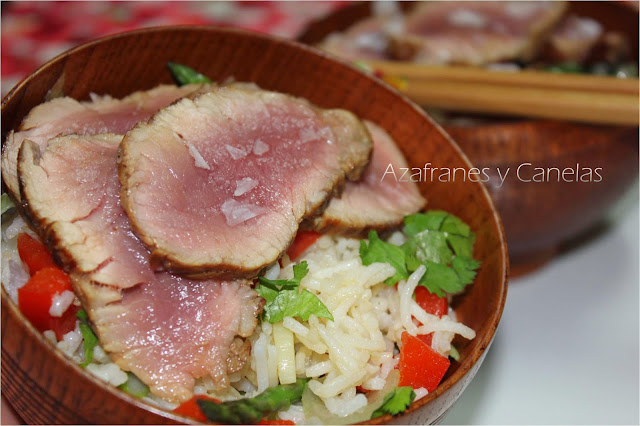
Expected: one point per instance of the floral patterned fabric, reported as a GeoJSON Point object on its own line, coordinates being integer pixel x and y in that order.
{"type": "Point", "coordinates": [34, 32]}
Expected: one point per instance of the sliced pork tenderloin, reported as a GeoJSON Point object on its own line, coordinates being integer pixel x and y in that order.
{"type": "Point", "coordinates": [475, 32]}
{"type": "Point", "coordinates": [65, 116]}
{"type": "Point", "coordinates": [380, 200]}
{"type": "Point", "coordinates": [167, 330]}
{"type": "Point", "coordinates": [218, 185]}
{"type": "Point", "coordinates": [573, 39]}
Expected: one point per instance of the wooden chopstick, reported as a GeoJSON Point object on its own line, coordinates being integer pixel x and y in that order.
{"type": "Point", "coordinates": [585, 98]}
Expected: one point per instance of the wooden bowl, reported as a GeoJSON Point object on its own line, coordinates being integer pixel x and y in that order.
{"type": "Point", "coordinates": [45, 387]}
{"type": "Point", "coordinates": [538, 217]}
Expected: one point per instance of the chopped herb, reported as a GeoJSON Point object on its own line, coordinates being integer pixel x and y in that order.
{"type": "Point", "coordinates": [90, 340]}
{"type": "Point", "coordinates": [7, 203]}
{"type": "Point", "coordinates": [454, 354]}
{"type": "Point", "coordinates": [284, 298]}
{"type": "Point", "coordinates": [185, 75]}
{"type": "Point", "coordinates": [438, 240]}
{"type": "Point", "coordinates": [252, 410]}
{"type": "Point", "coordinates": [396, 402]}
{"type": "Point", "coordinates": [134, 386]}
{"type": "Point", "coordinates": [383, 252]}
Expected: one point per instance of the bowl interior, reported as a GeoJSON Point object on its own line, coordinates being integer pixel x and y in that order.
{"type": "Point", "coordinates": [121, 64]}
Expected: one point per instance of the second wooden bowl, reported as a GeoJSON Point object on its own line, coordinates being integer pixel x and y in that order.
{"type": "Point", "coordinates": [539, 216]}
{"type": "Point", "coordinates": [46, 387]}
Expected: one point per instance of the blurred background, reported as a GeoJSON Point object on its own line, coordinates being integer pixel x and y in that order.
{"type": "Point", "coordinates": [566, 351]}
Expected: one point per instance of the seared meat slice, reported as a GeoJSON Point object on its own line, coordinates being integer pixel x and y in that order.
{"type": "Point", "coordinates": [167, 330]}
{"type": "Point", "coordinates": [381, 199]}
{"type": "Point", "coordinates": [367, 39]}
{"type": "Point", "coordinates": [66, 116]}
{"type": "Point", "coordinates": [218, 185]}
{"type": "Point", "coordinates": [475, 33]}
{"type": "Point", "coordinates": [573, 38]}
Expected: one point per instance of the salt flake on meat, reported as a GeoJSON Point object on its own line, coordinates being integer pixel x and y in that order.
{"type": "Point", "coordinates": [467, 18]}
{"type": "Point", "coordinates": [260, 147]}
{"type": "Point", "coordinates": [235, 153]}
{"type": "Point", "coordinates": [200, 161]}
{"type": "Point", "coordinates": [245, 185]}
{"type": "Point", "coordinates": [236, 212]}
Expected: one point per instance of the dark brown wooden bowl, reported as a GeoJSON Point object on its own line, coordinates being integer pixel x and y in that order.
{"type": "Point", "coordinates": [538, 217]}
{"type": "Point", "coordinates": [46, 387]}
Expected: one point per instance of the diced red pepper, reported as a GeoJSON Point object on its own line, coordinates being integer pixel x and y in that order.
{"type": "Point", "coordinates": [420, 366]}
{"type": "Point", "coordinates": [303, 241]}
{"type": "Point", "coordinates": [431, 303]}
{"type": "Point", "coordinates": [190, 408]}
{"type": "Point", "coordinates": [275, 422]}
{"type": "Point", "coordinates": [65, 323]}
{"type": "Point", "coordinates": [35, 297]}
{"type": "Point", "coordinates": [34, 254]}
{"type": "Point", "coordinates": [362, 390]}
{"type": "Point", "coordinates": [426, 338]}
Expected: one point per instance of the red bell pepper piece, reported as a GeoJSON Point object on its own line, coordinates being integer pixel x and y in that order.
{"type": "Point", "coordinates": [275, 422]}
{"type": "Point", "coordinates": [420, 366]}
{"type": "Point", "coordinates": [190, 408]}
{"type": "Point", "coordinates": [303, 241]}
{"type": "Point", "coordinates": [362, 390]}
{"type": "Point", "coordinates": [34, 254]}
{"type": "Point", "coordinates": [431, 303]}
{"type": "Point", "coordinates": [426, 338]}
{"type": "Point", "coordinates": [64, 324]}
{"type": "Point", "coordinates": [36, 296]}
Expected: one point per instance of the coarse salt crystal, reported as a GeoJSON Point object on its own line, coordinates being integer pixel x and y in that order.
{"type": "Point", "coordinates": [235, 153]}
{"type": "Point", "coordinates": [200, 161]}
{"type": "Point", "coordinates": [467, 18]}
{"type": "Point", "coordinates": [236, 212]}
{"type": "Point", "coordinates": [260, 147]}
{"type": "Point", "coordinates": [245, 185]}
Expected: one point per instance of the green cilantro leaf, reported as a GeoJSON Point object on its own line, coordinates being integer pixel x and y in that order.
{"type": "Point", "coordinates": [284, 298]}
{"type": "Point", "coordinates": [439, 279]}
{"type": "Point", "coordinates": [90, 340]}
{"type": "Point", "coordinates": [465, 268]}
{"type": "Point", "coordinates": [438, 240]}
{"type": "Point", "coordinates": [185, 75]}
{"type": "Point", "coordinates": [444, 244]}
{"type": "Point", "coordinates": [429, 246]}
{"type": "Point", "coordinates": [396, 402]}
{"type": "Point", "coordinates": [383, 252]}
{"type": "Point", "coordinates": [416, 223]}
{"type": "Point", "coordinates": [292, 303]}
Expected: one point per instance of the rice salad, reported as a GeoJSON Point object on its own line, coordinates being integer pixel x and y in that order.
{"type": "Point", "coordinates": [350, 357]}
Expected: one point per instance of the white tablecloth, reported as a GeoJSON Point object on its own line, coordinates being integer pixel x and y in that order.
{"type": "Point", "coordinates": [566, 350]}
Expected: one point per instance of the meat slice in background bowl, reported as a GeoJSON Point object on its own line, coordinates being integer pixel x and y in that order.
{"type": "Point", "coordinates": [66, 116]}
{"type": "Point", "coordinates": [237, 166]}
{"type": "Point", "coordinates": [71, 190]}
{"type": "Point", "coordinates": [475, 33]}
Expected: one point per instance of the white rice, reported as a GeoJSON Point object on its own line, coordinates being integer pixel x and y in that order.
{"type": "Point", "coordinates": [356, 349]}
{"type": "Point", "coordinates": [15, 276]}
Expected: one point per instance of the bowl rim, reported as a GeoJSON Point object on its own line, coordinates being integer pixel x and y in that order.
{"type": "Point", "coordinates": [494, 318]}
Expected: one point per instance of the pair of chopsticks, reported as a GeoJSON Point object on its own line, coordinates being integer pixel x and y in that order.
{"type": "Point", "coordinates": [575, 97]}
